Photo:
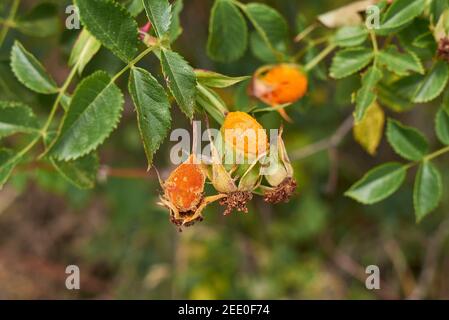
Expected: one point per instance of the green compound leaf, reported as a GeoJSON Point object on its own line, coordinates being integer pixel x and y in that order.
{"type": "Point", "coordinates": [406, 141]}
{"type": "Point", "coordinates": [94, 113]}
{"type": "Point", "coordinates": [30, 72]}
{"type": "Point", "coordinates": [82, 172]}
{"type": "Point", "coordinates": [350, 36]}
{"type": "Point", "coordinates": [427, 191]}
{"type": "Point", "coordinates": [15, 117]}
{"type": "Point", "coordinates": [400, 63]}
{"type": "Point", "coordinates": [112, 25]}
{"type": "Point", "coordinates": [159, 13]}
{"type": "Point", "coordinates": [366, 95]}
{"type": "Point", "coordinates": [378, 183]}
{"type": "Point", "coordinates": [442, 126]}
{"type": "Point", "coordinates": [269, 24]}
{"type": "Point", "coordinates": [433, 83]}
{"type": "Point", "coordinates": [228, 33]}
{"type": "Point", "coordinates": [400, 13]}
{"type": "Point", "coordinates": [153, 110]}
{"type": "Point", "coordinates": [181, 80]}
{"type": "Point", "coordinates": [217, 80]}
{"type": "Point", "coordinates": [349, 61]}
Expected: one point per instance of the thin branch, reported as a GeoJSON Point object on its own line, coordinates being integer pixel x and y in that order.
{"type": "Point", "coordinates": [332, 181]}
{"type": "Point", "coordinates": [325, 144]}
{"type": "Point", "coordinates": [305, 32]}
{"type": "Point", "coordinates": [9, 22]}
{"type": "Point", "coordinates": [103, 173]}
{"type": "Point", "coordinates": [400, 265]}
{"type": "Point", "coordinates": [433, 250]}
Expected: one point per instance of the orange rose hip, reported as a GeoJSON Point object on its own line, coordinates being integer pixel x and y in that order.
{"type": "Point", "coordinates": [280, 84]}
{"type": "Point", "coordinates": [184, 187]}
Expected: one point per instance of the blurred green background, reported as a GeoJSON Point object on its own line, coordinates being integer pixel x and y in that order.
{"type": "Point", "coordinates": [315, 247]}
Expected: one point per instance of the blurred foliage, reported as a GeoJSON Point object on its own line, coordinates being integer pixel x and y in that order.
{"type": "Point", "coordinates": [305, 249]}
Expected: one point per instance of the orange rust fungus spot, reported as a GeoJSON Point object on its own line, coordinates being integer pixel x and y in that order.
{"type": "Point", "coordinates": [184, 187]}
{"type": "Point", "coordinates": [245, 134]}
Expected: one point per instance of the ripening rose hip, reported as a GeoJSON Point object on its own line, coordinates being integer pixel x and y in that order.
{"type": "Point", "coordinates": [279, 84]}
{"type": "Point", "coordinates": [184, 193]}
{"type": "Point", "coordinates": [185, 185]}
{"type": "Point", "coordinates": [244, 134]}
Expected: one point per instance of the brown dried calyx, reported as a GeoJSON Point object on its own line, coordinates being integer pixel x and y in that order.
{"type": "Point", "coordinates": [443, 48]}
{"type": "Point", "coordinates": [183, 216]}
{"type": "Point", "coordinates": [236, 201]}
{"type": "Point", "coordinates": [282, 193]}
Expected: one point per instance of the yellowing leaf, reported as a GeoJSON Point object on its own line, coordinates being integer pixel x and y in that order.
{"type": "Point", "coordinates": [368, 132]}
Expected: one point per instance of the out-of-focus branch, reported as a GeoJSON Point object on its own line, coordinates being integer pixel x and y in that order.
{"type": "Point", "coordinates": [103, 173]}
{"type": "Point", "coordinates": [433, 250]}
{"type": "Point", "coordinates": [331, 142]}
{"type": "Point", "coordinates": [399, 261]}
{"type": "Point", "coordinates": [345, 263]}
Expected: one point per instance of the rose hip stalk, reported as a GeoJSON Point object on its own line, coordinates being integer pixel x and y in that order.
{"type": "Point", "coordinates": [279, 84]}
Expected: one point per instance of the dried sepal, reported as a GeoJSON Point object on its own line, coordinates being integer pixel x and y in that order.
{"type": "Point", "coordinates": [237, 200]}
{"type": "Point", "coordinates": [279, 174]}
{"type": "Point", "coordinates": [282, 193]}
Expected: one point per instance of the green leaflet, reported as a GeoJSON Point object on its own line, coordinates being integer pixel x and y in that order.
{"type": "Point", "coordinates": [175, 27]}
{"type": "Point", "coordinates": [349, 61]}
{"type": "Point", "coordinates": [181, 80]}
{"type": "Point", "coordinates": [378, 183]}
{"type": "Point", "coordinates": [217, 80]}
{"type": "Point", "coordinates": [389, 98]}
{"type": "Point", "coordinates": [135, 7]}
{"type": "Point", "coordinates": [212, 103]}
{"type": "Point", "coordinates": [30, 72]}
{"type": "Point", "coordinates": [400, 13]}
{"type": "Point", "coordinates": [437, 7]}
{"type": "Point", "coordinates": [116, 30]}
{"type": "Point", "coordinates": [427, 191]}
{"type": "Point", "coordinates": [400, 63]}
{"type": "Point", "coordinates": [433, 83]}
{"type": "Point", "coordinates": [16, 117]}
{"type": "Point", "coordinates": [153, 110]}
{"type": "Point", "coordinates": [366, 95]}
{"type": "Point", "coordinates": [94, 112]}
{"type": "Point", "coordinates": [159, 13]}
{"type": "Point", "coordinates": [228, 33]}
{"type": "Point", "coordinates": [442, 126]}
{"type": "Point", "coordinates": [260, 50]}
{"type": "Point", "coordinates": [85, 48]}
{"type": "Point", "coordinates": [81, 172]}
{"type": "Point", "coordinates": [350, 36]}
{"type": "Point", "coordinates": [269, 24]}
{"type": "Point", "coordinates": [8, 161]}
{"type": "Point", "coordinates": [406, 141]}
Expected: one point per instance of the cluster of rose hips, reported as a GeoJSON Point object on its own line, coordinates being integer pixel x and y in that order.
{"type": "Point", "coordinates": [183, 191]}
